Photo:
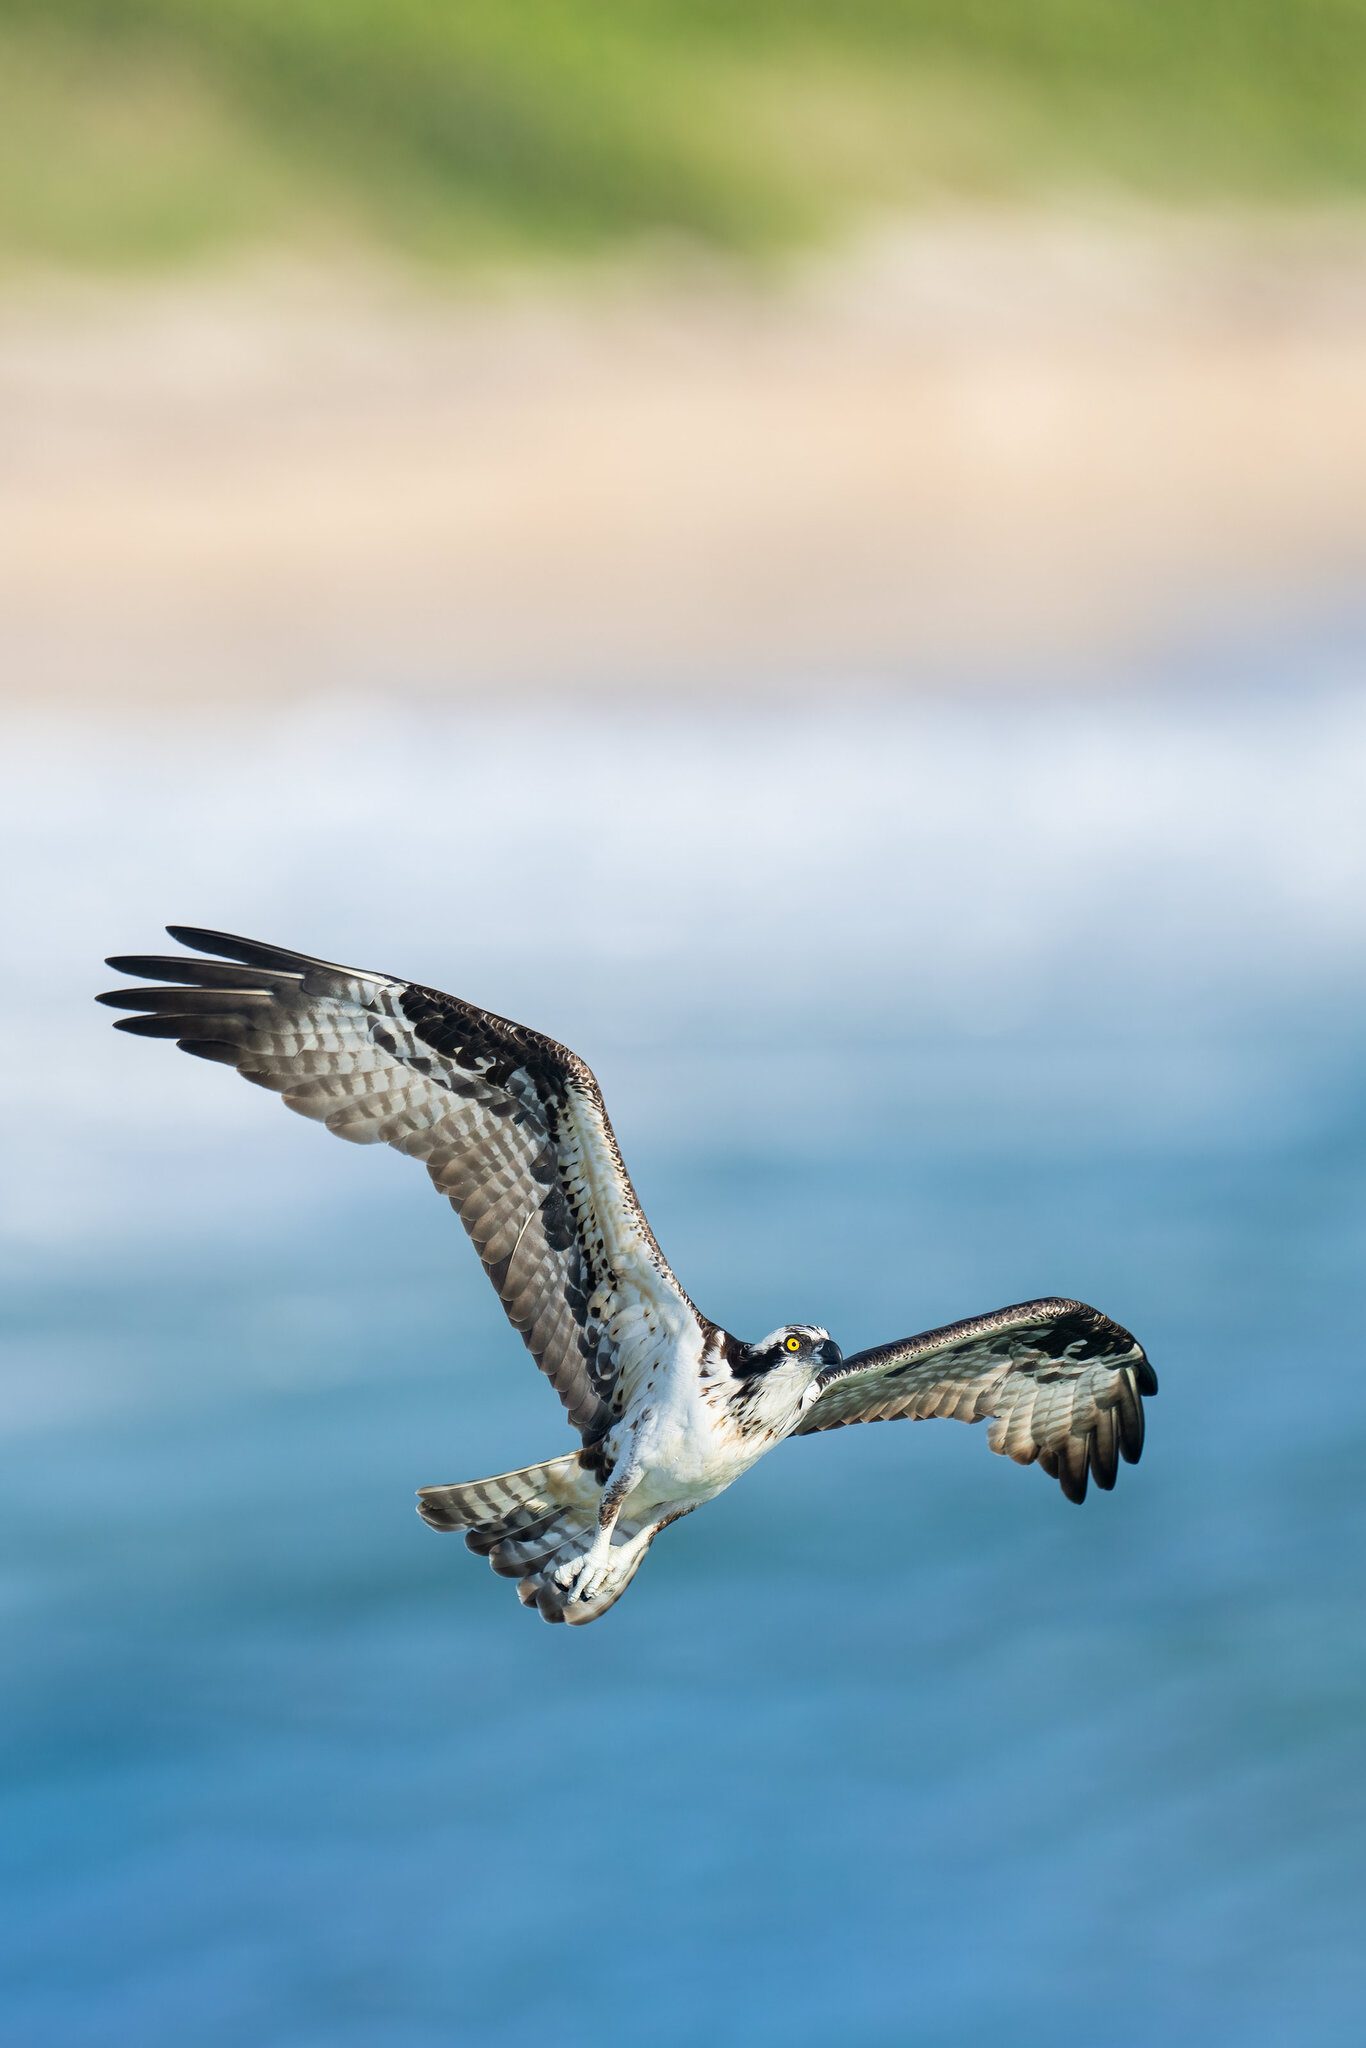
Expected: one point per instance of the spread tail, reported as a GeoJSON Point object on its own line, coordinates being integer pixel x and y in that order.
{"type": "Point", "coordinates": [533, 1526]}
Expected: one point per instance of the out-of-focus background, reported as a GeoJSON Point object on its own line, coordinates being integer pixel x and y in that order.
{"type": "Point", "coordinates": [815, 553]}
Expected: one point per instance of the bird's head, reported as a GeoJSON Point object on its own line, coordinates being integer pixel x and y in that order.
{"type": "Point", "coordinates": [801, 1349]}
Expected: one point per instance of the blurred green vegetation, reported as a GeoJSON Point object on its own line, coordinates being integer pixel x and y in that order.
{"type": "Point", "coordinates": [136, 131]}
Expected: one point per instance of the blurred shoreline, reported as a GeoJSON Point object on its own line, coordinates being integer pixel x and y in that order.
{"type": "Point", "coordinates": [1061, 442]}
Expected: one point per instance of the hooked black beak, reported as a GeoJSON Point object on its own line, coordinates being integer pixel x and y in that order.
{"type": "Point", "coordinates": [829, 1353]}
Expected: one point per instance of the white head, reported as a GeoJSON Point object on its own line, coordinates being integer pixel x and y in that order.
{"type": "Point", "coordinates": [790, 1361]}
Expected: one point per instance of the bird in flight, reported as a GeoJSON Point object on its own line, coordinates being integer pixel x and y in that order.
{"type": "Point", "coordinates": [670, 1408]}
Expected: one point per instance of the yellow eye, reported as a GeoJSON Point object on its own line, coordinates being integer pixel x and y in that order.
{"type": "Point", "coordinates": [794, 1344]}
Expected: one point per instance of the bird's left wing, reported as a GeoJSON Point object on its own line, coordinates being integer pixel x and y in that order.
{"type": "Point", "coordinates": [510, 1125]}
{"type": "Point", "coordinates": [1057, 1382]}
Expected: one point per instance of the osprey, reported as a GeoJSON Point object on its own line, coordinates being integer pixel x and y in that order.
{"type": "Point", "coordinates": [670, 1408]}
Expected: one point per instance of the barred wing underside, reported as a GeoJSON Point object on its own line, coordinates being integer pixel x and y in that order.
{"type": "Point", "coordinates": [510, 1125]}
{"type": "Point", "coordinates": [1056, 1381]}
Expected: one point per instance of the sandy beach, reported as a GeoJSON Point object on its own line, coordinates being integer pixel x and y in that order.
{"type": "Point", "coordinates": [972, 447]}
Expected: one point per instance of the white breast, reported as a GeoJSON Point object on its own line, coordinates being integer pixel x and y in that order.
{"type": "Point", "coordinates": [680, 1430]}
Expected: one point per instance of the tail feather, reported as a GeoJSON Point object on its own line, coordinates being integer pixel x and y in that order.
{"type": "Point", "coordinates": [512, 1500]}
{"type": "Point", "coordinates": [533, 1523]}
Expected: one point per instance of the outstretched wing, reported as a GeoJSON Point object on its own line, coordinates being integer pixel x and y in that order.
{"type": "Point", "coordinates": [510, 1126]}
{"type": "Point", "coordinates": [1057, 1381]}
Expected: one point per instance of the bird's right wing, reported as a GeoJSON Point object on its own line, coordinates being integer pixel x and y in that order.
{"type": "Point", "coordinates": [509, 1124]}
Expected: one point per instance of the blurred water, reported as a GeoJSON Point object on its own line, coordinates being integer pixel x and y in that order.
{"type": "Point", "coordinates": [903, 1011]}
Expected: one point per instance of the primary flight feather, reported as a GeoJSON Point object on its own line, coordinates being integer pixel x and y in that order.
{"type": "Point", "coordinates": [670, 1408]}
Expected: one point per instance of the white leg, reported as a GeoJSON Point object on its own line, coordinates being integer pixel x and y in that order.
{"type": "Point", "coordinates": [586, 1572]}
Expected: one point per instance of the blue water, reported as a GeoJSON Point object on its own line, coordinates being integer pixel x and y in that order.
{"type": "Point", "coordinates": [903, 1011]}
